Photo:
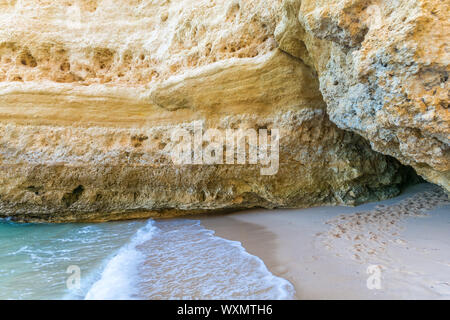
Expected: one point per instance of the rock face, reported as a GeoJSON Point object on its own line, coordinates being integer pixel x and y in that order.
{"type": "Point", "coordinates": [90, 91]}
{"type": "Point", "coordinates": [383, 68]}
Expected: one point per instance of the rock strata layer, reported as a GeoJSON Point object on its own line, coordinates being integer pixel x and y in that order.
{"type": "Point", "coordinates": [91, 90]}
{"type": "Point", "coordinates": [383, 68]}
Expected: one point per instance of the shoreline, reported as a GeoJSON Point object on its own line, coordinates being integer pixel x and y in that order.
{"type": "Point", "coordinates": [324, 252]}
{"type": "Point", "coordinates": [295, 245]}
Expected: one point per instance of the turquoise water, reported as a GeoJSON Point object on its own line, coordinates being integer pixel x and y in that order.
{"type": "Point", "coordinates": [170, 259]}
{"type": "Point", "coordinates": [34, 258]}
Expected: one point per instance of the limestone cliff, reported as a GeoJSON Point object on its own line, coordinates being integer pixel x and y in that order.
{"type": "Point", "coordinates": [90, 89]}
{"type": "Point", "coordinates": [383, 68]}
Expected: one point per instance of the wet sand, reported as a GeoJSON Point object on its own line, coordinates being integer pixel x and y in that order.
{"type": "Point", "coordinates": [393, 249]}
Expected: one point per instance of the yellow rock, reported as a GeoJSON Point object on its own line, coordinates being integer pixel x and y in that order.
{"type": "Point", "coordinates": [91, 90]}
{"type": "Point", "coordinates": [383, 68]}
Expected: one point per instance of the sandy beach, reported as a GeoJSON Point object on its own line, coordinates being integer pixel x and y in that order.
{"type": "Point", "coordinates": [393, 249]}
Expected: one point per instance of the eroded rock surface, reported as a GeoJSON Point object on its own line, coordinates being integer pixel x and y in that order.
{"type": "Point", "coordinates": [383, 68]}
{"type": "Point", "coordinates": [90, 90]}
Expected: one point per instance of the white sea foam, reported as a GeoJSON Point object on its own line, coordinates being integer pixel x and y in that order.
{"type": "Point", "coordinates": [119, 278]}
{"type": "Point", "coordinates": [186, 261]}
{"type": "Point", "coordinates": [180, 259]}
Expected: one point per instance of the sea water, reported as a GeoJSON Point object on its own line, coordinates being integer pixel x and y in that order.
{"type": "Point", "coordinates": [164, 259]}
